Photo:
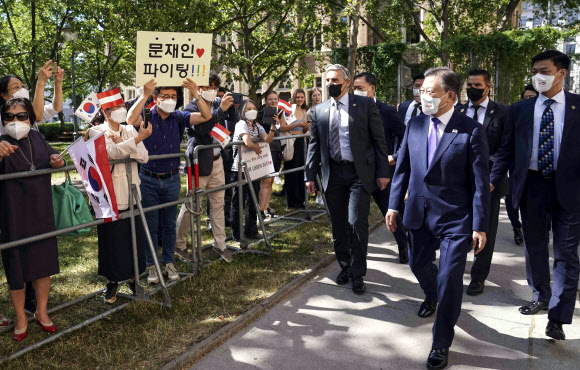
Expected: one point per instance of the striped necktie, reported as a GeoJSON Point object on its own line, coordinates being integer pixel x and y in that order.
{"type": "Point", "coordinates": [335, 133]}
{"type": "Point", "coordinates": [546, 140]}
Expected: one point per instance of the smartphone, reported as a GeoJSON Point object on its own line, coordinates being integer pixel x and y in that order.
{"type": "Point", "coordinates": [54, 68]}
{"type": "Point", "coordinates": [238, 98]}
{"type": "Point", "coordinates": [269, 113]}
{"type": "Point", "coordinates": [146, 116]}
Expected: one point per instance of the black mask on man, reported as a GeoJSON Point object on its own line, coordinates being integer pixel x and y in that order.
{"type": "Point", "coordinates": [334, 90]}
{"type": "Point", "coordinates": [475, 94]}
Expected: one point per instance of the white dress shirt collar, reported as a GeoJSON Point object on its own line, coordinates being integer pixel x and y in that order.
{"type": "Point", "coordinates": [445, 117]}
{"type": "Point", "coordinates": [558, 98]}
{"type": "Point", "coordinates": [483, 103]}
{"type": "Point", "coordinates": [343, 100]}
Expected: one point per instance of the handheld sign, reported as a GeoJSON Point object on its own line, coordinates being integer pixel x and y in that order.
{"type": "Point", "coordinates": [171, 57]}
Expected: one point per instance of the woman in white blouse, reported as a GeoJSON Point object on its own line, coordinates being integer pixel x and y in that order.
{"type": "Point", "coordinates": [115, 245]}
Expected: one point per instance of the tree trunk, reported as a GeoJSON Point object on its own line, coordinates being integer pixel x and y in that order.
{"type": "Point", "coordinates": [353, 40]}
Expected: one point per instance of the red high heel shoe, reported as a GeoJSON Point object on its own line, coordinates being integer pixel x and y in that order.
{"type": "Point", "coordinates": [50, 328]}
{"type": "Point", "coordinates": [20, 334]}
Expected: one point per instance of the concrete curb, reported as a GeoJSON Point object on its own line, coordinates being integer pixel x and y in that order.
{"type": "Point", "coordinates": [208, 344]}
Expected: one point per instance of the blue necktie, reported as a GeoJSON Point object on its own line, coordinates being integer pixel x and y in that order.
{"type": "Point", "coordinates": [433, 140]}
{"type": "Point", "coordinates": [546, 141]}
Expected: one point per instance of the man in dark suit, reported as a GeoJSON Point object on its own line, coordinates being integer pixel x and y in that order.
{"type": "Point", "coordinates": [365, 84]}
{"type": "Point", "coordinates": [540, 140]}
{"type": "Point", "coordinates": [347, 138]}
{"type": "Point", "coordinates": [412, 108]}
{"type": "Point", "coordinates": [492, 116]}
{"type": "Point", "coordinates": [443, 163]}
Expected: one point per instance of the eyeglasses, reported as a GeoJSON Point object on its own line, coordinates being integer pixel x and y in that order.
{"type": "Point", "coordinates": [22, 116]}
{"type": "Point", "coordinates": [167, 96]}
{"type": "Point", "coordinates": [16, 88]}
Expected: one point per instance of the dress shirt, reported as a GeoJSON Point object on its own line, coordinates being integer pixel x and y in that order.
{"type": "Point", "coordinates": [412, 107]}
{"type": "Point", "coordinates": [444, 120]}
{"type": "Point", "coordinates": [345, 151]}
{"type": "Point", "coordinates": [558, 107]}
{"type": "Point", "coordinates": [480, 112]}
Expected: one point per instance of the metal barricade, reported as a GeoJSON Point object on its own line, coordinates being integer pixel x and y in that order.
{"type": "Point", "coordinates": [141, 295]}
{"type": "Point", "coordinates": [242, 167]}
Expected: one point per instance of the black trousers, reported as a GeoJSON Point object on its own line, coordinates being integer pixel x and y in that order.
{"type": "Point", "coordinates": [294, 182]}
{"type": "Point", "coordinates": [250, 227]}
{"type": "Point", "coordinates": [381, 197]}
{"type": "Point", "coordinates": [513, 213]}
{"type": "Point", "coordinates": [482, 260]}
{"type": "Point", "coordinates": [539, 205]}
{"type": "Point", "coordinates": [348, 203]}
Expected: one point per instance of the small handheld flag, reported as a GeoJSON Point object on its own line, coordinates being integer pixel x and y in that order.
{"type": "Point", "coordinates": [285, 106]}
{"type": "Point", "coordinates": [88, 108]}
{"type": "Point", "coordinates": [109, 99]}
{"type": "Point", "coordinates": [221, 134]}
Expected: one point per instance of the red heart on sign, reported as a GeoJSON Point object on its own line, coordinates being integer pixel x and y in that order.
{"type": "Point", "coordinates": [200, 52]}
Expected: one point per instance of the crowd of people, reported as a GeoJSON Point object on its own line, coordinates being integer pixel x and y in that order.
{"type": "Point", "coordinates": [448, 163]}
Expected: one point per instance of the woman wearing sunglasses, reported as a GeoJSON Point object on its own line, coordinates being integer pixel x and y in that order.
{"type": "Point", "coordinates": [27, 211]}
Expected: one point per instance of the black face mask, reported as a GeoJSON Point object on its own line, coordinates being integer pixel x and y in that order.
{"type": "Point", "coordinates": [334, 90]}
{"type": "Point", "coordinates": [475, 94]}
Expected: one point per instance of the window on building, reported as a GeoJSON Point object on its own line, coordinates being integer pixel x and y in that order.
{"type": "Point", "coordinates": [318, 82]}
{"type": "Point", "coordinates": [524, 5]}
{"type": "Point", "coordinates": [318, 44]}
{"type": "Point", "coordinates": [285, 83]}
{"type": "Point", "coordinates": [130, 94]}
{"type": "Point", "coordinates": [571, 49]}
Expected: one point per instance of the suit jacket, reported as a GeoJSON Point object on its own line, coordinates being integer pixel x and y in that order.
{"type": "Point", "coordinates": [403, 107]}
{"type": "Point", "coordinates": [493, 125]}
{"type": "Point", "coordinates": [200, 135]}
{"type": "Point", "coordinates": [516, 150]}
{"type": "Point", "coordinates": [367, 142]}
{"type": "Point", "coordinates": [392, 124]}
{"type": "Point", "coordinates": [454, 190]}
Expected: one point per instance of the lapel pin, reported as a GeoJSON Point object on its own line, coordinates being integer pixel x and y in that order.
{"type": "Point", "coordinates": [573, 107]}
{"type": "Point", "coordinates": [491, 112]}
{"type": "Point", "coordinates": [462, 110]}
{"type": "Point", "coordinates": [354, 105]}
{"type": "Point", "coordinates": [454, 131]}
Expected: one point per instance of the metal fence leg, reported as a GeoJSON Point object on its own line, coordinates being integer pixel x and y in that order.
{"type": "Point", "coordinates": [152, 248]}
{"type": "Point", "coordinates": [138, 290]}
{"type": "Point", "coordinates": [323, 196]}
{"type": "Point", "coordinates": [241, 199]}
{"type": "Point", "coordinates": [257, 205]}
{"type": "Point", "coordinates": [194, 259]}
{"type": "Point", "coordinates": [198, 229]}
{"type": "Point", "coordinates": [307, 214]}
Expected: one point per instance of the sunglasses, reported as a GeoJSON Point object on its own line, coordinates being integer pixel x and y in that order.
{"type": "Point", "coordinates": [22, 116]}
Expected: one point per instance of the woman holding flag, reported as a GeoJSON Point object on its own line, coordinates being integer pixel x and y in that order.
{"type": "Point", "coordinates": [27, 211]}
{"type": "Point", "coordinates": [115, 244]}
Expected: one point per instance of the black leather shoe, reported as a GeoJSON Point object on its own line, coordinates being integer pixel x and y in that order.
{"type": "Point", "coordinates": [427, 308]}
{"type": "Point", "coordinates": [518, 236]}
{"type": "Point", "coordinates": [437, 358]}
{"type": "Point", "coordinates": [554, 330]}
{"type": "Point", "coordinates": [475, 287]}
{"type": "Point", "coordinates": [404, 255]}
{"type": "Point", "coordinates": [344, 275]}
{"type": "Point", "coordinates": [358, 285]}
{"type": "Point", "coordinates": [533, 308]}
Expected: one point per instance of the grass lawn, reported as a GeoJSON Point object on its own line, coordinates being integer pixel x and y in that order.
{"type": "Point", "coordinates": [145, 335]}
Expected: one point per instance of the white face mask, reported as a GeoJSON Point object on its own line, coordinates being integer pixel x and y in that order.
{"type": "Point", "coordinates": [168, 105]}
{"type": "Point", "coordinates": [430, 104]}
{"type": "Point", "coordinates": [119, 115]}
{"type": "Point", "coordinates": [17, 129]}
{"type": "Point", "coordinates": [416, 92]}
{"type": "Point", "coordinates": [251, 115]}
{"type": "Point", "coordinates": [361, 92]}
{"type": "Point", "coordinates": [543, 83]}
{"type": "Point", "coordinates": [22, 93]}
{"type": "Point", "coordinates": [209, 95]}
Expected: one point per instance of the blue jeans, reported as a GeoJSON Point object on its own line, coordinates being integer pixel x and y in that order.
{"type": "Point", "coordinates": [155, 192]}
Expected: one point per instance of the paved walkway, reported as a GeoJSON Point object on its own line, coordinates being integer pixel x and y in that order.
{"type": "Point", "coordinates": [326, 326]}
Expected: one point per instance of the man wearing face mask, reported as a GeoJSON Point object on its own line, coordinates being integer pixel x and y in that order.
{"type": "Point", "coordinates": [212, 163]}
{"type": "Point", "coordinates": [443, 164]}
{"type": "Point", "coordinates": [347, 138]}
{"type": "Point", "coordinates": [365, 84]}
{"type": "Point", "coordinates": [412, 108]}
{"type": "Point", "coordinates": [492, 116]}
{"type": "Point", "coordinates": [160, 182]}
{"type": "Point", "coordinates": [540, 141]}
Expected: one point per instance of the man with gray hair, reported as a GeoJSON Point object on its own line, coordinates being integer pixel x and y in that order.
{"type": "Point", "coordinates": [348, 140]}
{"type": "Point", "coordinates": [443, 164]}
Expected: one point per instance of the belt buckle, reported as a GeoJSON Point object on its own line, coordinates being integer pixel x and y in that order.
{"type": "Point", "coordinates": [158, 176]}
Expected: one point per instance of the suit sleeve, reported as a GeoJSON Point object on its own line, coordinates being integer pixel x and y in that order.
{"type": "Point", "coordinates": [400, 181]}
{"type": "Point", "coordinates": [313, 159]}
{"type": "Point", "coordinates": [377, 135]}
{"type": "Point", "coordinates": [494, 131]}
{"type": "Point", "coordinates": [479, 174]}
{"type": "Point", "coordinates": [396, 126]}
{"type": "Point", "coordinates": [504, 157]}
